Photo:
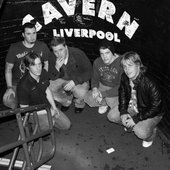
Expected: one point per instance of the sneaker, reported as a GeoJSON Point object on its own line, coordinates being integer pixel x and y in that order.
{"type": "Point", "coordinates": [146, 144]}
{"type": "Point", "coordinates": [102, 109]}
{"type": "Point", "coordinates": [128, 129]}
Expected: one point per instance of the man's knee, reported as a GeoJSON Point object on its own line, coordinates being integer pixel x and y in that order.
{"type": "Point", "coordinates": [142, 133]}
{"type": "Point", "coordinates": [80, 91]}
{"type": "Point", "coordinates": [114, 115]}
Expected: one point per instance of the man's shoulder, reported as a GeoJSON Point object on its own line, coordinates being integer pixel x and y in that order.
{"type": "Point", "coordinates": [17, 44]}
{"type": "Point", "coordinates": [24, 82]}
{"type": "Point", "coordinates": [98, 60]}
{"type": "Point", "coordinates": [40, 43]}
{"type": "Point", "coordinates": [75, 50]}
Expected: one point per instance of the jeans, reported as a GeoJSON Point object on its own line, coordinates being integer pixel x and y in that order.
{"type": "Point", "coordinates": [113, 114]}
{"type": "Point", "coordinates": [66, 98]}
{"type": "Point", "coordinates": [146, 129]}
{"type": "Point", "coordinates": [61, 122]}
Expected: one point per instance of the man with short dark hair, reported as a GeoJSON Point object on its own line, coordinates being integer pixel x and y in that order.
{"type": "Point", "coordinates": [70, 71]}
{"type": "Point", "coordinates": [14, 69]}
{"type": "Point", "coordinates": [33, 90]}
{"type": "Point", "coordinates": [140, 101]}
{"type": "Point", "coordinates": [105, 82]}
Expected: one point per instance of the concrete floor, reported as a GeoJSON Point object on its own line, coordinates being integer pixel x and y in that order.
{"type": "Point", "coordinates": [84, 146]}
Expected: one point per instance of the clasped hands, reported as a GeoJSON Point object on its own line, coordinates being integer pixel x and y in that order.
{"type": "Point", "coordinates": [127, 121]}
{"type": "Point", "coordinates": [96, 94]}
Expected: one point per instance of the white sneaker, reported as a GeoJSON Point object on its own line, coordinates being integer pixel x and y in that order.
{"type": "Point", "coordinates": [146, 144]}
{"type": "Point", "coordinates": [102, 109]}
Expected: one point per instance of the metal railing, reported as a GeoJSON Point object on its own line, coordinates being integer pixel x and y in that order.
{"type": "Point", "coordinates": [28, 136]}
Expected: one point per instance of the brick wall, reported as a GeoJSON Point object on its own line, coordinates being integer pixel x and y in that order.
{"type": "Point", "coordinates": [152, 39]}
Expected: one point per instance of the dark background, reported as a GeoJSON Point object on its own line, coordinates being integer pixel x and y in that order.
{"type": "Point", "coordinates": [151, 40]}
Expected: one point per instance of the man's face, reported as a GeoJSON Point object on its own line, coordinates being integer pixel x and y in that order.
{"type": "Point", "coordinates": [106, 56]}
{"type": "Point", "coordinates": [36, 69]}
{"type": "Point", "coordinates": [60, 51]}
{"type": "Point", "coordinates": [131, 69]}
{"type": "Point", "coordinates": [30, 35]}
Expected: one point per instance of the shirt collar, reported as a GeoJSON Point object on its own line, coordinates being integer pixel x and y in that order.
{"type": "Point", "coordinates": [66, 59]}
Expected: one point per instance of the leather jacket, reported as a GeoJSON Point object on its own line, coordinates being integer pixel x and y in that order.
{"type": "Point", "coordinates": [149, 98]}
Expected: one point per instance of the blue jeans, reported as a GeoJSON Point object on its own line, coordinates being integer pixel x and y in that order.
{"type": "Point", "coordinates": [113, 114]}
{"type": "Point", "coordinates": [65, 98]}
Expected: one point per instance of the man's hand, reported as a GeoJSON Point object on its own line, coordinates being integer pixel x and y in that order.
{"type": "Point", "coordinates": [8, 93]}
{"type": "Point", "coordinates": [124, 118]}
{"type": "Point", "coordinates": [59, 63]}
{"type": "Point", "coordinates": [129, 123]}
{"type": "Point", "coordinates": [95, 93]}
{"type": "Point", "coordinates": [55, 112]}
{"type": "Point", "coordinates": [69, 86]}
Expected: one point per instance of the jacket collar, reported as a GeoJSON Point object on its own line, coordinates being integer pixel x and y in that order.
{"type": "Point", "coordinates": [137, 80]}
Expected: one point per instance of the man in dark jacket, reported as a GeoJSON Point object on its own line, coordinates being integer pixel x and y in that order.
{"type": "Point", "coordinates": [70, 71]}
{"type": "Point", "coordinates": [140, 101]}
{"type": "Point", "coordinates": [33, 89]}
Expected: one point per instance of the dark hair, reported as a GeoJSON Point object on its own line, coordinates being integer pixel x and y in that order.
{"type": "Point", "coordinates": [134, 57]}
{"type": "Point", "coordinates": [28, 25]}
{"type": "Point", "coordinates": [107, 44]}
{"type": "Point", "coordinates": [29, 59]}
{"type": "Point", "coordinates": [57, 41]}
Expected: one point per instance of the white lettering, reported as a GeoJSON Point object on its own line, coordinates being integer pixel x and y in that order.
{"type": "Point", "coordinates": [124, 21]}
{"type": "Point", "coordinates": [77, 32]}
{"type": "Point", "coordinates": [100, 34]}
{"type": "Point", "coordinates": [69, 32]}
{"type": "Point", "coordinates": [68, 8]}
{"type": "Point", "coordinates": [86, 33]}
{"type": "Point", "coordinates": [107, 9]}
{"type": "Point", "coordinates": [88, 7]}
{"type": "Point", "coordinates": [92, 33]}
{"type": "Point", "coordinates": [49, 13]}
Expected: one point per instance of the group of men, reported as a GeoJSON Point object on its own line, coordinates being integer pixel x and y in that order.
{"type": "Point", "coordinates": [116, 84]}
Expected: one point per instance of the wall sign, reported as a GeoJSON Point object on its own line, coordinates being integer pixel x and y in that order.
{"type": "Point", "coordinates": [105, 12]}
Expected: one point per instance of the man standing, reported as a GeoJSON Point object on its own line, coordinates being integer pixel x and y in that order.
{"type": "Point", "coordinates": [140, 101]}
{"type": "Point", "coordinates": [14, 69]}
{"type": "Point", "coordinates": [33, 90]}
{"type": "Point", "coordinates": [107, 72]}
{"type": "Point", "coordinates": [70, 71]}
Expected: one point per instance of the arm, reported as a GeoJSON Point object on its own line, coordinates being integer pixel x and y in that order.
{"type": "Point", "coordinates": [83, 68]}
{"type": "Point", "coordinates": [8, 74]}
{"type": "Point", "coordinates": [51, 100]}
{"type": "Point", "coordinates": [96, 77]}
{"type": "Point", "coordinates": [8, 77]}
{"type": "Point", "coordinates": [155, 100]}
{"type": "Point", "coordinates": [53, 71]}
{"type": "Point", "coordinates": [123, 96]}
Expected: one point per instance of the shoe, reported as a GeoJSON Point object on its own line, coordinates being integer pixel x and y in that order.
{"type": "Point", "coordinates": [129, 130]}
{"type": "Point", "coordinates": [78, 110]}
{"type": "Point", "coordinates": [102, 109]}
{"type": "Point", "coordinates": [146, 144]}
{"type": "Point", "coordinates": [64, 108]}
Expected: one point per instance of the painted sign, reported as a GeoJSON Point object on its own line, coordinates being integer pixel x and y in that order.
{"type": "Point", "coordinates": [105, 12]}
